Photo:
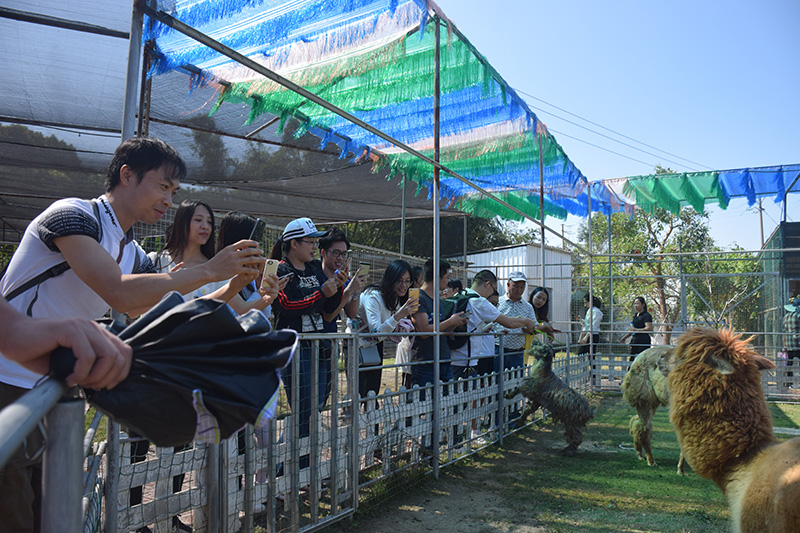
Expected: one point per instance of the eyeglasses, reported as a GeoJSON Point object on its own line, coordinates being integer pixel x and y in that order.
{"type": "Point", "coordinates": [314, 244]}
{"type": "Point", "coordinates": [336, 254]}
{"type": "Point", "coordinates": [404, 282]}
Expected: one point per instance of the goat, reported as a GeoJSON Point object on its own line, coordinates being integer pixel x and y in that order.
{"type": "Point", "coordinates": [645, 388]}
{"type": "Point", "coordinates": [543, 388]}
{"type": "Point", "coordinates": [724, 428]}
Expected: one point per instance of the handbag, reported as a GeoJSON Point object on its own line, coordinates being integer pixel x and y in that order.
{"type": "Point", "coordinates": [369, 356]}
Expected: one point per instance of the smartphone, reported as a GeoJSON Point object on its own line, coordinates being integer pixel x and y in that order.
{"type": "Point", "coordinates": [413, 292]}
{"type": "Point", "coordinates": [290, 275]}
{"type": "Point", "coordinates": [258, 230]}
{"type": "Point", "coordinates": [364, 270]}
{"type": "Point", "coordinates": [271, 267]}
{"type": "Point", "coordinates": [466, 314]}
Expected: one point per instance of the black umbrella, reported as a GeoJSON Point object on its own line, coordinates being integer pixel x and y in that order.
{"type": "Point", "coordinates": [199, 372]}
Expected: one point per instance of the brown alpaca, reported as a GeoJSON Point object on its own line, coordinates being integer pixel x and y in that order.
{"type": "Point", "coordinates": [645, 388]}
{"type": "Point", "coordinates": [543, 388]}
{"type": "Point", "coordinates": [725, 430]}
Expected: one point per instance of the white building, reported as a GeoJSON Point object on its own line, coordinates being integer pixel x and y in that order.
{"type": "Point", "coordinates": [528, 259]}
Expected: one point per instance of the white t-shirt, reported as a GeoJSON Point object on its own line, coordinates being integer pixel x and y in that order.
{"type": "Point", "coordinates": [164, 263]}
{"type": "Point", "coordinates": [482, 312]}
{"type": "Point", "coordinates": [65, 295]}
{"type": "Point", "coordinates": [591, 322]}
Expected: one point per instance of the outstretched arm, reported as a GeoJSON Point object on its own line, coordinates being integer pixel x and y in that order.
{"type": "Point", "coordinates": [129, 292]}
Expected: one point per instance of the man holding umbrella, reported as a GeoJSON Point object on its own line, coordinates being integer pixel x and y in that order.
{"type": "Point", "coordinates": [79, 258]}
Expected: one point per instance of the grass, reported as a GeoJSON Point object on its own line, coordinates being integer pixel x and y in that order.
{"type": "Point", "coordinates": [604, 488]}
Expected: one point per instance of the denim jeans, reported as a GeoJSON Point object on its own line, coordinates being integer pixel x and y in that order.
{"type": "Point", "coordinates": [423, 374]}
{"type": "Point", "coordinates": [511, 359]}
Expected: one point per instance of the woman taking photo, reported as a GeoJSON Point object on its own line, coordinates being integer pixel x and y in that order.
{"type": "Point", "coordinates": [380, 311]}
{"type": "Point", "coordinates": [641, 326]}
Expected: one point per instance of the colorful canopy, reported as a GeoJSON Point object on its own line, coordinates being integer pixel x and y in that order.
{"type": "Point", "coordinates": [375, 60]}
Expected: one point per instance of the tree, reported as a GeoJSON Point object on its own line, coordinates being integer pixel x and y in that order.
{"type": "Point", "coordinates": [641, 266]}
{"type": "Point", "coordinates": [482, 233]}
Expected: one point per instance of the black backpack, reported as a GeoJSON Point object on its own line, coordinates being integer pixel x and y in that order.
{"type": "Point", "coordinates": [458, 304]}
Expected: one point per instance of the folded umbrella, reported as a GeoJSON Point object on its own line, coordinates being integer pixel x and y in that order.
{"type": "Point", "coordinates": [199, 372]}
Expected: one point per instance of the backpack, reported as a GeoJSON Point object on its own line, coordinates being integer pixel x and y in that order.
{"type": "Point", "coordinates": [458, 304]}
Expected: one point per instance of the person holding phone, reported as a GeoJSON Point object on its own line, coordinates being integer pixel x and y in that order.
{"type": "Point", "coordinates": [382, 307]}
{"type": "Point", "coordinates": [259, 294]}
{"type": "Point", "coordinates": [334, 249]}
{"type": "Point", "coordinates": [404, 347]}
{"type": "Point", "coordinates": [300, 306]}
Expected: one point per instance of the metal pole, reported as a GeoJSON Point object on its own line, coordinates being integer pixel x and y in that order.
{"type": "Point", "coordinates": [21, 417]}
{"type": "Point", "coordinates": [403, 220]}
{"type": "Point", "coordinates": [213, 500]}
{"type": "Point", "coordinates": [437, 386]}
{"type": "Point", "coordinates": [541, 202]}
{"type": "Point", "coordinates": [610, 280]}
{"type": "Point", "coordinates": [62, 468]}
{"type": "Point", "coordinates": [129, 122]}
{"type": "Point", "coordinates": [465, 250]}
{"type": "Point", "coordinates": [591, 286]}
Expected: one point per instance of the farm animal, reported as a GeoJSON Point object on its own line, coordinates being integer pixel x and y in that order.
{"type": "Point", "coordinates": [543, 388]}
{"type": "Point", "coordinates": [725, 429]}
{"type": "Point", "coordinates": [645, 388]}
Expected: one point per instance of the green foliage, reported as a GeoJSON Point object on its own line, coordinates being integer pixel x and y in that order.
{"type": "Point", "coordinates": [640, 266]}
{"type": "Point", "coordinates": [482, 233]}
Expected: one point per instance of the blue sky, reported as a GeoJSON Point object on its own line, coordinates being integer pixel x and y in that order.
{"type": "Point", "coordinates": [714, 84]}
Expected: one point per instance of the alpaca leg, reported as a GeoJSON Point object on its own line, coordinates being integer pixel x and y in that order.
{"type": "Point", "coordinates": [682, 465]}
{"type": "Point", "coordinates": [635, 429]}
{"type": "Point", "coordinates": [574, 435]}
{"type": "Point", "coordinates": [646, 419]}
{"type": "Point", "coordinates": [530, 407]}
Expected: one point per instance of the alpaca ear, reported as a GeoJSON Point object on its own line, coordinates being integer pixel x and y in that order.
{"type": "Point", "coordinates": [762, 363]}
{"type": "Point", "coordinates": [723, 366]}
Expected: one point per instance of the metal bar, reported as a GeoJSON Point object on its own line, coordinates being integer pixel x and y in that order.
{"type": "Point", "coordinates": [355, 409]}
{"type": "Point", "coordinates": [403, 219]}
{"type": "Point", "coordinates": [541, 203]}
{"type": "Point", "coordinates": [214, 496]}
{"type": "Point", "coordinates": [47, 20]}
{"type": "Point", "coordinates": [437, 386]}
{"type": "Point", "coordinates": [249, 472]}
{"type": "Point", "coordinates": [62, 468]}
{"type": "Point", "coordinates": [46, 123]}
{"type": "Point", "coordinates": [132, 76]}
{"type": "Point", "coordinates": [591, 286]}
{"type": "Point", "coordinates": [501, 399]}
{"type": "Point", "coordinates": [333, 486]}
{"type": "Point", "coordinates": [313, 436]}
{"type": "Point", "coordinates": [21, 417]}
{"type": "Point", "coordinates": [90, 433]}
{"type": "Point", "coordinates": [187, 30]}
{"type": "Point", "coordinates": [465, 249]}
{"type": "Point", "coordinates": [610, 279]}
{"type": "Point", "coordinates": [111, 485]}
{"type": "Point", "coordinates": [785, 195]}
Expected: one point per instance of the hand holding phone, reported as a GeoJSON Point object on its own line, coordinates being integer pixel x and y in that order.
{"type": "Point", "coordinates": [363, 269]}
{"type": "Point", "coordinates": [413, 294]}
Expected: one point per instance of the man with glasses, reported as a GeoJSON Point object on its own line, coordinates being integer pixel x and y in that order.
{"type": "Point", "coordinates": [334, 253]}
{"type": "Point", "coordinates": [481, 313]}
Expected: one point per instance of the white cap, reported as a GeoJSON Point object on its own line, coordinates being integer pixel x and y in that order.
{"type": "Point", "coordinates": [299, 228]}
{"type": "Point", "coordinates": [517, 276]}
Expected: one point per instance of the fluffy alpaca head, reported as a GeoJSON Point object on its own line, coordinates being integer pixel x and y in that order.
{"type": "Point", "coordinates": [717, 404]}
{"type": "Point", "coordinates": [541, 352]}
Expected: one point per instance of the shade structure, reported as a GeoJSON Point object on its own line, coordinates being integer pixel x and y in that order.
{"type": "Point", "coordinates": [374, 59]}
{"type": "Point", "coordinates": [199, 372]}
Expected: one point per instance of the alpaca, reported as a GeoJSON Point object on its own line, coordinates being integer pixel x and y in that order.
{"type": "Point", "coordinates": [725, 429]}
{"type": "Point", "coordinates": [543, 388]}
{"type": "Point", "coordinates": [645, 387]}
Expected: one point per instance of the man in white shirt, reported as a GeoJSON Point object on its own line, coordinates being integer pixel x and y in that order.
{"type": "Point", "coordinates": [94, 265]}
{"type": "Point", "coordinates": [512, 304]}
{"type": "Point", "coordinates": [481, 312]}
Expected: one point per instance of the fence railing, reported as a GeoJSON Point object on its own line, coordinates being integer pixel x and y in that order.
{"type": "Point", "coordinates": [287, 478]}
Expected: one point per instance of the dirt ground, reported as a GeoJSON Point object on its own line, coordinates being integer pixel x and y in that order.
{"type": "Point", "coordinates": [463, 499]}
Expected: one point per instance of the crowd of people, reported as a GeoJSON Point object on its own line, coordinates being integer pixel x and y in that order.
{"type": "Point", "coordinates": [78, 259]}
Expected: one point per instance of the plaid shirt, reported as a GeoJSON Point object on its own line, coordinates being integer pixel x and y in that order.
{"type": "Point", "coordinates": [519, 309]}
{"type": "Point", "coordinates": [791, 329]}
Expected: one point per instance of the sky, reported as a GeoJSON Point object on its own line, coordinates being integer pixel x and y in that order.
{"type": "Point", "coordinates": [707, 85]}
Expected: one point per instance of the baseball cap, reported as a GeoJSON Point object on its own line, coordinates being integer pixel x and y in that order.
{"type": "Point", "coordinates": [517, 276]}
{"type": "Point", "coordinates": [299, 228]}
